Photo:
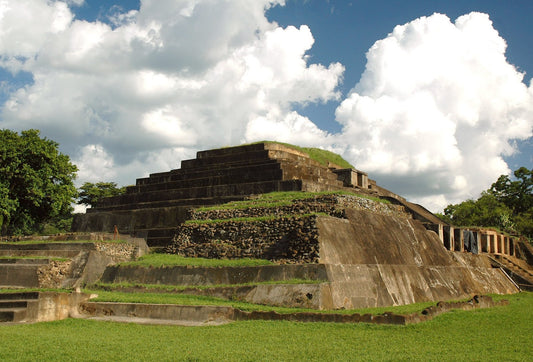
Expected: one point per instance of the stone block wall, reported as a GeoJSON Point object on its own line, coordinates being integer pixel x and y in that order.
{"type": "Point", "coordinates": [285, 239]}
{"type": "Point", "coordinates": [285, 234]}
{"type": "Point", "coordinates": [332, 205]}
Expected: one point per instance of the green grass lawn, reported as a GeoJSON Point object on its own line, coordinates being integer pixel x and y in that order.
{"type": "Point", "coordinates": [496, 334]}
{"type": "Point", "coordinates": [161, 260]}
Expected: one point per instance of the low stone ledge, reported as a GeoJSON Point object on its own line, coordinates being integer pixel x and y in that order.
{"type": "Point", "coordinates": [225, 314]}
{"type": "Point", "coordinates": [476, 302]}
{"type": "Point", "coordinates": [169, 312]}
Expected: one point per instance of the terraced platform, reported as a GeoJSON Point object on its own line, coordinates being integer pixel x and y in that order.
{"type": "Point", "coordinates": [60, 264]}
{"type": "Point", "coordinates": [157, 204]}
{"type": "Point", "coordinates": [304, 286]}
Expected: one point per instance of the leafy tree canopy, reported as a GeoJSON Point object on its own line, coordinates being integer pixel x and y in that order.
{"type": "Point", "coordinates": [36, 182]}
{"type": "Point", "coordinates": [518, 194]}
{"type": "Point", "coordinates": [90, 193]}
{"type": "Point", "coordinates": [507, 205]}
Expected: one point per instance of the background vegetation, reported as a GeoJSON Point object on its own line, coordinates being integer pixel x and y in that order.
{"type": "Point", "coordinates": [91, 193]}
{"type": "Point", "coordinates": [506, 205]}
{"type": "Point", "coordinates": [36, 184]}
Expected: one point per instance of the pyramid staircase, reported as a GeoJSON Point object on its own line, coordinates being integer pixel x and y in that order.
{"type": "Point", "coordinates": [14, 306]}
{"type": "Point", "coordinates": [157, 204]}
{"type": "Point", "coordinates": [519, 270]}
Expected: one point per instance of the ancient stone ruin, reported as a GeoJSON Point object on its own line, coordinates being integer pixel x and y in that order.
{"type": "Point", "coordinates": [157, 204]}
{"type": "Point", "coordinates": [359, 250]}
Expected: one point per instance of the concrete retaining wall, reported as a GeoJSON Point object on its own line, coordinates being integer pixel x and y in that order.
{"type": "Point", "coordinates": [186, 275]}
{"type": "Point", "coordinates": [375, 260]}
{"type": "Point", "coordinates": [53, 306]}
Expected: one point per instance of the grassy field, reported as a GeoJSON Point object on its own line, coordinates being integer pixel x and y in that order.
{"type": "Point", "coordinates": [161, 260]}
{"type": "Point", "coordinates": [500, 333]}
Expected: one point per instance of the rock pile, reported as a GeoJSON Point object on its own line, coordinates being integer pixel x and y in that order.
{"type": "Point", "coordinates": [52, 275]}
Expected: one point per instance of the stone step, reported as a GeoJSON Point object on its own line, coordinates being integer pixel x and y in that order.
{"type": "Point", "coordinates": [160, 237]}
{"type": "Point", "coordinates": [159, 243]}
{"type": "Point", "coordinates": [235, 159]}
{"type": "Point", "coordinates": [218, 191]}
{"type": "Point", "coordinates": [187, 275]}
{"type": "Point", "coordinates": [5, 304]}
{"type": "Point", "coordinates": [515, 267]}
{"type": "Point", "coordinates": [238, 154]}
{"type": "Point", "coordinates": [243, 161]}
{"type": "Point", "coordinates": [293, 169]}
{"type": "Point", "coordinates": [186, 203]}
{"type": "Point", "coordinates": [25, 261]}
{"type": "Point", "coordinates": [19, 275]}
{"type": "Point", "coordinates": [284, 156]}
{"type": "Point", "coordinates": [263, 173]}
{"type": "Point", "coordinates": [202, 172]}
{"type": "Point", "coordinates": [64, 253]}
{"type": "Point", "coordinates": [277, 155]}
{"type": "Point", "coordinates": [158, 313]}
{"type": "Point", "coordinates": [19, 296]}
{"type": "Point", "coordinates": [231, 150]}
{"type": "Point", "coordinates": [12, 314]}
{"type": "Point", "coordinates": [48, 246]}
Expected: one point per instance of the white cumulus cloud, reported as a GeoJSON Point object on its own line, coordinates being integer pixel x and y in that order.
{"type": "Point", "coordinates": [154, 85]}
{"type": "Point", "coordinates": [436, 108]}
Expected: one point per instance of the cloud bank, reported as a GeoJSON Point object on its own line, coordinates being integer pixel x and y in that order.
{"type": "Point", "coordinates": [150, 87]}
{"type": "Point", "coordinates": [436, 108]}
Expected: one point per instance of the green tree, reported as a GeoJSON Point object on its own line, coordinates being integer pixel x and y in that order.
{"type": "Point", "coordinates": [518, 194]}
{"type": "Point", "coordinates": [36, 182]}
{"type": "Point", "coordinates": [485, 211]}
{"type": "Point", "coordinates": [507, 205]}
{"type": "Point", "coordinates": [91, 193]}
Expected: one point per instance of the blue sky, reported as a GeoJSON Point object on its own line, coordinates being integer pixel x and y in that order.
{"type": "Point", "coordinates": [129, 89]}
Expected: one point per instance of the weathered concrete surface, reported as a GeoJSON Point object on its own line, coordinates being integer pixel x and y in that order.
{"type": "Point", "coordinates": [40, 306]}
{"type": "Point", "coordinates": [316, 296]}
{"type": "Point", "coordinates": [86, 267]}
{"type": "Point", "coordinates": [19, 275]}
{"type": "Point", "coordinates": [186, 275]}
{"type": "Point", "coordinates": [53, 306]}
{"type": "Point", "coordinates": [376, 260]}
{"type": "Point", "coordinates": [187, 314]}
